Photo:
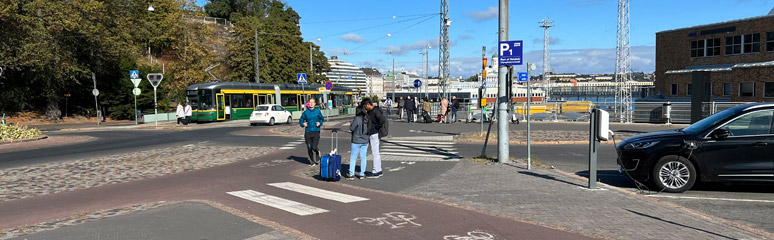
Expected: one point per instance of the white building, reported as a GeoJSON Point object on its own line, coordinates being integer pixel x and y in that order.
{"type": "Point", "coordinates": [346, 74]}
{"type": "Point", "coordinates": [374, 82]}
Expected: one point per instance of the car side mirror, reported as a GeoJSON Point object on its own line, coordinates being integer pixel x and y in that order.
{"type": "Point", "coordinates": [719, 134]}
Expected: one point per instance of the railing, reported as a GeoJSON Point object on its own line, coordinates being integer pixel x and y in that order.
{"type": "Point", "coordinates": [653, 112]}
{"type": "Point", "coordinates": [221, 21]}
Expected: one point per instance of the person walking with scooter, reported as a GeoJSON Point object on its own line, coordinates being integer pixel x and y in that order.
{"type": "Point", "coordinates": [312, 119]}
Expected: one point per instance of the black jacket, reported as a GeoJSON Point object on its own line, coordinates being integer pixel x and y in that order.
{"type": "Point", "coordinates": [409, 105]}
{"type": "Point", "coordinates": [377, 122]}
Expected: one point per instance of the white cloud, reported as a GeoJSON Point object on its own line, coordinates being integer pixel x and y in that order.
{"type": "Point", "coordinates": [551, 41]}
{"type": "Point", "coordinates": [403, 49]}
{"type": "Point", "coordinates": [351, 37]}
{"type": "Point", "coordinates": [479, 16]}
{"type": "Point", "coordinates": [465, 37]}
{"type": "Point", "coordinates": [595, 60]}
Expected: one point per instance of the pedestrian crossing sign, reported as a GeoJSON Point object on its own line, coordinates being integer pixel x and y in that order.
{"type": "Point", "coordinates": [301, 78]}
{"type": "Point", "coordinates": [134, 74]}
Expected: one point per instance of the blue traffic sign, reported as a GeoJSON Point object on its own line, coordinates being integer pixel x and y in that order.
{"type": "Point", "coordinates": [523, 77]}
{"type": "Point", "coordinates": [328, 85]}
{"type": "Point", "coordinates": [417, 83]}
{"type": "Point", "coordinates": [134, 74]}
{"type": "Point", "coordinates": [301, 77]}
{"type": "Point", "coordinates": [510, 53]}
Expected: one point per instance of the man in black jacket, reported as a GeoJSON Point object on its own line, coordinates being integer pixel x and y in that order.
{"type": "Point", "coordinates": [410, 106]}
{"type": "Point", "coordinates": [377, 128]}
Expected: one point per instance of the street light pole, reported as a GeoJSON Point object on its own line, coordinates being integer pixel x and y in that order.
{"type": "Point", "coordinates": [257, 69]}
{"type": "Point", "coordinates": [502, 108]}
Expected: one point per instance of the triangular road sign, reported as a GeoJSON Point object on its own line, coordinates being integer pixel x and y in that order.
{"type": "Point", "coordinates": [136, 81]}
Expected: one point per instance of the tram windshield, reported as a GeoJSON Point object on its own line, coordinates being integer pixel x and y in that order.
{"type": "Point", "coordinates": [205, 97]}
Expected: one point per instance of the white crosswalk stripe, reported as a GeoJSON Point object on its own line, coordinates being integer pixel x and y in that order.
{"type": "Point", "coordinates": [417, 150]}
{"type": "Point", "coordinates": [321, 193]}
{"type": "Point", "coordinates": [292, 145]}
{"type": "Point", "coordinates": [278, 202]}
{"type": "Point", "coordinates": [294, 207]}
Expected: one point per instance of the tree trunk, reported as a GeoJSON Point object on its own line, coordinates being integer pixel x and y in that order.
{"type": "Point", "coordinates": [52, 110]}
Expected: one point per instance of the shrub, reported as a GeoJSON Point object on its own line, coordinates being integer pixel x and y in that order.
{"type": "Point", "coordinates": [11, 133]}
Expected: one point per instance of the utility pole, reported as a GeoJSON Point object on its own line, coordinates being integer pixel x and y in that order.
{"type": "Point", "coordinates": [443, 52]}
{"type": "Point", "coordinates": [503, 153]}
{"type": "Point", "coordinates": [257, 69]}
{"type": "Point", "coordinates": [545, 24]}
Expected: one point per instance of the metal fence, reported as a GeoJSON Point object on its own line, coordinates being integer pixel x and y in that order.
{"type": "Point", "coordinates": [653, 112]}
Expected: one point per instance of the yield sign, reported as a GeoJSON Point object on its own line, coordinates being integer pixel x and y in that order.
{"type": "Point", "coordinates": [136, 81]}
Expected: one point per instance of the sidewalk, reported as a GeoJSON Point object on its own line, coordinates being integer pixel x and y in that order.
{"type": "Point", "coordinates": [551, 197]}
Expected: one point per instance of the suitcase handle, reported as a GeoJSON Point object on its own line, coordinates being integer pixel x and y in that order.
{"type": "Point", "coordinates": [334, 134]}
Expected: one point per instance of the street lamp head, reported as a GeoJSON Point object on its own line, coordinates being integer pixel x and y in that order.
{"type": "Point", "coordinates": [389, 35]}
{"type": "Point", "coordinates": [150, 8]}
{"type": "Point", "coordinates": [319, 39]}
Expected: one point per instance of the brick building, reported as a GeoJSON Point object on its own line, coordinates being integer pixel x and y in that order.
{"type": "Point", "coordinates": [737, 57]}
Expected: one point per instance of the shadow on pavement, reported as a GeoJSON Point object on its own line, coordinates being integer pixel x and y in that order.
{"type": "Point", "coordinates": [678, 224]}
{"type": "Point", "coordinates": [630, 131]}
{"type": "Point", "coordinates": [549, 178]}
{"type": "Point", "coordinates": [610, 177]}
{"type": "Point", "coordinates": [304, 160]}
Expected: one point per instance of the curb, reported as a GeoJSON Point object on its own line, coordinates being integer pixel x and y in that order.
{"type": "Point", "coordinates": [41, 137]}
{"type": "Point", "coordinates": [752, 230]}
{"type": "Point", "coordinates": [463, 140]}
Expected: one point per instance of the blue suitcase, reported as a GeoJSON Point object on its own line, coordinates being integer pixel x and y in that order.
{"type": "Point", "coordinates": [330, 164]}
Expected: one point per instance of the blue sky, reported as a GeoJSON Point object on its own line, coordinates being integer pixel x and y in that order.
{"type": "Point", "coordinates": [583, 39]}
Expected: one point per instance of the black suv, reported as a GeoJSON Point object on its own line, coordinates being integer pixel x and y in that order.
{"type": "Point", "coordinates": [736, 144]}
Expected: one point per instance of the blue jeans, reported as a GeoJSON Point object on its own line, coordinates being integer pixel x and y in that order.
{"type": "Point", "coordinates": [453, 116]}
{"type": "Point", "coordinates": [363, 150]}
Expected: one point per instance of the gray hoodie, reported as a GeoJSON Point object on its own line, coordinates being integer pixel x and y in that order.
{"type": "Point", "coordinates": [359, 130]}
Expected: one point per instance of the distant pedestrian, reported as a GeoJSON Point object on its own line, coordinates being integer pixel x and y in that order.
{"type": "Point", "coordinates": [455, 107]}
{"type": "Point", "coordinates": [444, 109]}
{"type": "Point", "coordinates": [426, 106]}
{"type": "Point", "coordinates": [312, 119]}
{"type": "Point", "coordinates": [410, 107]}
{"type": "Point", "coordinates": [377, 128]}
{"type": "Point", "coordinates": [388, 106]}
{"type": "Point", "coordinates": [188, 112]}
{"type": "Point", "coordinates": [180, 113]}
{"type": "Point", "coordinates": [360, 139]}
{"type": "Point", "coordinates": [400, 107]}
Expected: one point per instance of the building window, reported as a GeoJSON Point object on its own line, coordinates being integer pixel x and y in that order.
{"type": "Point", "coordinates": [770, 41]}
{"type": "Point", "coordinates": [713, 47]}
{"type": "Point", "coordinates": [697, 48]}
{"type": "Point", "coordinates": [674, 90]}
{"type": "Point", "coordinates": [734, 45]}
{"type": "Point", "coordinates": [747, 89]}
{"type": "Point", "coordinates": [768, 89]}
{"type": "Point", "coordinates": [752, 43]}
{"type": "Point", "coordinates": [726, 89]}
{"type": "Point", "coordinates": [689, 89]}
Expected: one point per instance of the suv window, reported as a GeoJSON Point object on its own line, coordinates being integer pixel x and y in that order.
{"type": "Point", "coordinates": [755, 123]}
{"type": "Point", "coordinates": [262, 108]}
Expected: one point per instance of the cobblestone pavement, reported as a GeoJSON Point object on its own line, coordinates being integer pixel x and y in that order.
{"type": "Point", "coordinates": [75, 220]}
{"type": "Point", "coordinates": [41, 179]}
{"type": "Point", "coordinates": [541, 137]}
{"type": "Point", "coordinates": [47, 142]}
{"type": "Point", "coordinates": [550, 197]}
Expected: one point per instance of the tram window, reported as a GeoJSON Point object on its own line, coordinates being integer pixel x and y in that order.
{"type": "Point", "coordinates": [241, 101]}
{"type": "Point", "coordinates": [288, 99]}
{"type": "Point", "coordinates": [205, 95]}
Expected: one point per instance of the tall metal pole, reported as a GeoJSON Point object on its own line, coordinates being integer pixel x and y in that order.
{"type": "Point", "coordinates": [155, 107]}
{"type": "Point", "coordinates": [96, 104]}
{"type": "Point", "coordinates": [257, 69]}
{"type": "Point", "coordinates": [545, 24]}
{"type": "Point", "coordinates": [483, 90]}
{"type": "Point", "coordinates": [529, 107]}
{"type": "Point", "coordinates": [503, 153]}
{"type": "Point", "coordinates": [135, 110]}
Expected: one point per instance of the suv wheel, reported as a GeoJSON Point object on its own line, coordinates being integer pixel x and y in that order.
{"type": "Point", "coordinates": [271, 122]}
{"type": "Point", "coordinates": [290, 120]}
{"type": "Point", "coordinates": [673, 174]}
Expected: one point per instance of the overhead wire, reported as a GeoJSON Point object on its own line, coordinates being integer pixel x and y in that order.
{"type": "Point", "coordinates": [383, 37]}
{"type": "Point", "coordinates": [368, 19]}
{"type": "Point", "coordinates": [381, 25]}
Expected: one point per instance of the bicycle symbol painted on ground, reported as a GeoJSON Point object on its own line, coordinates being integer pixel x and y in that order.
{"type": "Point", "coordinates": [473, 235]}
{"type": "Point", "coordinates": [392, 219]}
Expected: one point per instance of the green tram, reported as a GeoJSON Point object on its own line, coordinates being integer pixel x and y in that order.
{"type": "Point", "coordinates": [220, 101]}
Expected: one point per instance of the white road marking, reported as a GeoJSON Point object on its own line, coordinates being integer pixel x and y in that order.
{"type": "Point", "coordinates": [440, 152]}
{"type": "Point", "coordinates": [419, 155]}
{"type": "Point", "coordinates": [321, 193]}
{"type": "Point", "coordinates": [395, 169]}
{"type": "Point", "coordinates": [417, 142]}
{"type": "Point", "coordinates": [277, 202]}
{"type": "Point", "coordinates": [717, 199]}
{"type": "Point", "coordinates": [287, 148]}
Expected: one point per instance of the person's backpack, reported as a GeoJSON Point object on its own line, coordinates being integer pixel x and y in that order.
{"type": "Point", "coordinates": [384, 130]}
{"type": "Point", "coordinates": [456, 104]}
